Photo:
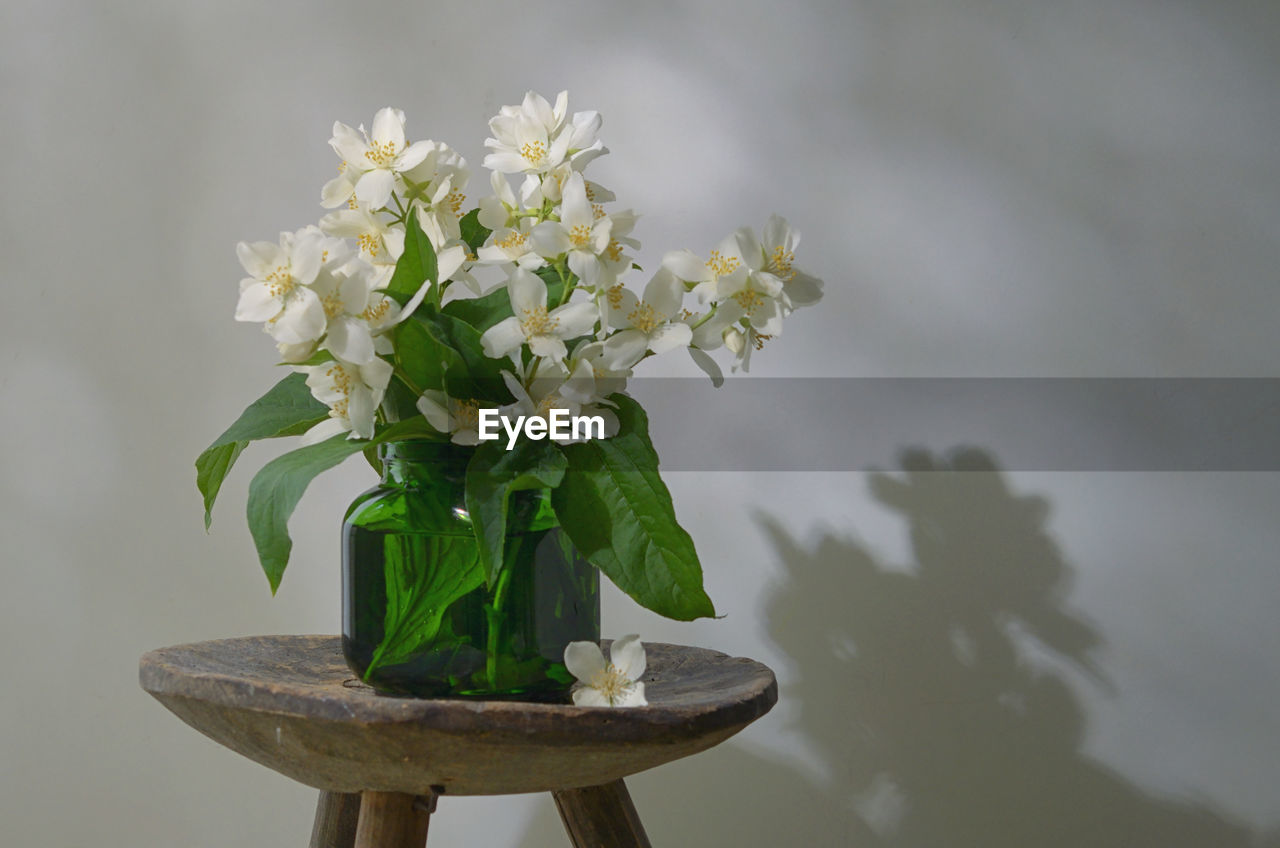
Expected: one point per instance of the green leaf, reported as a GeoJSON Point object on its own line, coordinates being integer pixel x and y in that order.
{"type": "Point", "coordinates": [422, 359]}
{"type": "Point", "coordinates": [618, 514]}
{"type": "Point", "coordinates": [416, 265]}
{"type": "Point", "coordinates": [424, 576]}
{"type": "Point", "coordinates": [472, 374]}
{"type": "Point", "coordinates": [288, 409]}
{"type": "Point", "coordinates": [492, 475]}
{"type": "Point", "coordinates": [481, 312]}
{"type": "Point", "coordinates": [474, 233]}
{"type": "Point", "coordinates": [279, 485]}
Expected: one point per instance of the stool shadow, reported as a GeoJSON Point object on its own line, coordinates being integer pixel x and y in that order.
{"type": "Point", "coordinates": [938, 696]}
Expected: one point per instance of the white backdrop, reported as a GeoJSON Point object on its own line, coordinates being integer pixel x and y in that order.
{"type": "Point", "coordinates": [989, 188]}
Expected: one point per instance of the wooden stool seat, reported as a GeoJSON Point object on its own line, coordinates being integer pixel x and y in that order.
{"type": "Point", "coordinates": [292, 704]}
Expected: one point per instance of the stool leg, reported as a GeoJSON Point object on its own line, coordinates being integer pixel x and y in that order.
{"type": "Point", "coordinates": [393, 820]}
{"type": "Point", "coordinates": [601, 817]}
{"type": "Point", "coordinates": [336, 816]}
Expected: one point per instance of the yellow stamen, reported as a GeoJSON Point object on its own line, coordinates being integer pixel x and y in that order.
{"type": "Point", "coordinates": [643, 318]}
{"type": "Point", "coordinates": [536, 322]}
{"type": "Point", "coordinates": [369, 243]}
{"type": "Point", "coordinates": [748, 300]}
{"type": "Point", "coordinates": [780, 263]}
{"type": "Point", "coordinates": [512, 241]}
{"type": "Point", "coordinates": [382, 154]}
{"type": "Point", "coordinates": [534, 152]}
{"type": "Point", "coordinates": [721, 265]}
{"type": "Point", "coordinates": [280, 281]}
{"type": "Point", "coordinates": [610, 682]}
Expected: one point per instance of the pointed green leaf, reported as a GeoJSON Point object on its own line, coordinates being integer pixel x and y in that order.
{"type": "Point", "coordinates": [417, 265]}
{"type": "Point", "coordinates": [288, 409]}
{"type": "Point", "coordinates": [279, 485]}
{"type": "Point", "coordinates": [492, 475]}
{"type": "Point", "coordinates": [474, 233]}
{"type": "Point", "coordinates": [618, 514]}
{"type": "Point", "coordinates": [424, 576]}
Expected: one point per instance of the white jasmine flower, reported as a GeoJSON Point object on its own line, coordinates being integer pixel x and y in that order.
{"type": "Point", "coordinates": [651, 320]}
{"type": "Point", "coordinates": [435, 187]}
{"type": "Point", "coordinates": [534, 138]}
{"type": "Point", "coordinates": [380, 243]}
{"type": "Point", "coordinates": [340, 190]}
{"type": "Point", "coordinates": [775, 256]}
{"type": "Point", "coordinates": [511, 244]}
{"type": "Point", "coordinates": [741, 340]}
{"type": "Point", "coordinates": [459, 419]}
{"type": "Point", "coordinates": [753, 297]}
{"type": "Point", "coordinates": [615, 683]}
{"type": "Point", "coordinates": [352, 393]}
{"type": "Point", "coordinates": [345, 295]}
{"type": "Point", "coordinates": [725, 261]}
{"type": "Point", "coordinates": [610, 362]}
{"type": "Point", "coordinates": [544, 331]}
{"type": "Point", "coordinates": [579, 233]}
{"type": "Point", "coordinates": [374, 160]}
{"type": "Point", "coordinates": [614, 262]}
{"type": "Point", "coordinates": [276, 290]}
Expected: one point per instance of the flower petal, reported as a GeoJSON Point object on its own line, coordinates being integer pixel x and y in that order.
{"type": "Point", "coordinates": [803, 289]}
{"type": "Point", "coordinates": [502, 338]}
{"type": "Point", "coordinates": [669, 337]}
{"type": "Point", "coordinates": [260, 258]}
{"type": "Point", "coordinates": [584, 659]}
{"type": "Point", "coordinates": [324, 430]}
{"type": "Point", "coordinates": [350, 340]}
{"type": "Point", "coordinates": [388, 127]}
{"type": "Point", "coordinates": [551, 347]}
{"type": "Point", "coordinates": [712, 368]}
{"type": "Point", "coordinates": [527, 291]}
{"type": "Point", "coordinates": [686, 265]}
{"type": "Point", "coordinates": [588, 697]}
{"type": "Point", "coordinates": [350, 145]}
{"type": "Point", "coordinates": [623, 350]}
{"type": "Point", "coordinates": [433, 407]}
{"type": "Point", "coordinates": [665, 293]}
{"type": "Point", "coordinates": [374, 188]}
{"type": "Point", "coordinates": [413, 155]}
{"type": "Point", "coordinates": [632, 696]}
{"type": "Point", "coordinates": [575, 319]}
{"type": "Point", "coordinates": [257, 303]}
{"type": "Point", "coordinates": [627, 654]}
{"type": "Point", "coordinates": [549, 239]}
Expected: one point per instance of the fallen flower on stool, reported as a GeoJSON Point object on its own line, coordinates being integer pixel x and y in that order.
{"type": "Point", "coordinates": [607, 684]}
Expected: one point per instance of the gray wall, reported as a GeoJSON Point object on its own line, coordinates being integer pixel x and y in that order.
{"type": "Point", "coordinates": [989, 187]}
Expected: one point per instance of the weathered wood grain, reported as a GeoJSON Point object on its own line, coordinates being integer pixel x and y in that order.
{"type": "Point", "coordinates": [392, 820]}
{"type": "Point", "coordinates": [336, 816]}
{"type": "Point", "coordinates": [597, 816]}
{"type": "Point", "coordinates": [291, 703]}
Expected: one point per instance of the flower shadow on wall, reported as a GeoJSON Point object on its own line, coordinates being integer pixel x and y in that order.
{"type": "Point", "coordinates": [917, 688]}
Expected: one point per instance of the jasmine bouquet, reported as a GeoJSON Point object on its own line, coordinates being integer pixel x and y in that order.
{"type": "Point", "coordinates": [405, 315]}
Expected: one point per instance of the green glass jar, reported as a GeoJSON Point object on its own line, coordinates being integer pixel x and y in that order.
{"type": "Point", "coordinates": [417, 615]}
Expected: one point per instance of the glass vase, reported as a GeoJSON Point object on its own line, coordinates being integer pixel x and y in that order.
{"type": "Point", "coordinates": [420, 619]}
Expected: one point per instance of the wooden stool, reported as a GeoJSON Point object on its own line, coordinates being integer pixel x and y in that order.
{"type": "Point", "coordinates": [291, 703]}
